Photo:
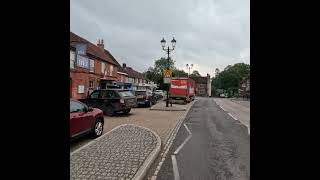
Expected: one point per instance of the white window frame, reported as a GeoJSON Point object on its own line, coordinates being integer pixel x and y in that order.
{"type": "Point", "coordinates": [72, 59]}
{"type": "Point", "coordinates": [103, 67]}
{"type": "Point", "coordinates": [91, 65]}
{"type": "Point", "coordinates": [91, 85]}
{"type": "Point", "coordinates": [111, 70]}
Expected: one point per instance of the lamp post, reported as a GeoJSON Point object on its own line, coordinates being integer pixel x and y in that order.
{"type": "Point", "coordinates": [189, 67]}
{"type": "Point", "coordinates": [168, 50]}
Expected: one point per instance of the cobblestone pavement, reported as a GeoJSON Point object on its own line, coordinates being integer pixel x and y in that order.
{"type": "Point", "coordinates": [115, 155]}
{"type": "Point", "coordinates": [161, 122]}
{"type": "Point", "coordinates": [161, 106]}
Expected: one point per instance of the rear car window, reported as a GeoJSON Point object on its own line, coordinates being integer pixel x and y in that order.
{"type": "Point", "coordinates": [76, 107]}
{"type": "Point", "coordinates": [141, 93]}
{"type": "Point", "coordinates": [125, 93]}
{"type": "Point", "coordinates": [95, 94]}
{"type": "Point", "coordinates": [109, 94]}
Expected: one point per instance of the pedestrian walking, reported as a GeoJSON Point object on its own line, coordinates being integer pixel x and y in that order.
{"type": "Point", "coordinates": [90, 91]}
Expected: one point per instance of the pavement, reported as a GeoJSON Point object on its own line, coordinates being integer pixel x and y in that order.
{"type": "Point", "coordinates": [245, 103]}
{"type": "Point", "coordinates": [161, 122]}
{"type": "Point", "coordinates": [210, 145]}
{"type": "Point", "coordinates": [161, 106]}
{"type": "Point", "coordinates": [126, 152]}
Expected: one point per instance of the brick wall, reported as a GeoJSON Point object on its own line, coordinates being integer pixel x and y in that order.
{"type": "Point", "coordinates": [82, 78]}
{"type": "Point", "coordinates": [201, 89]}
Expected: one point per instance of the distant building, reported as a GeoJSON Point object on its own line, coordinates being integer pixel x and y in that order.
{"type": "Point", "coordinates": [244, 87]}
{"type": "Point", "coordinates": [203, 85]}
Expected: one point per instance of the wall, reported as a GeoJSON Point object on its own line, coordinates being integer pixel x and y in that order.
{"type": "Point", "coordinates": [82, 78]}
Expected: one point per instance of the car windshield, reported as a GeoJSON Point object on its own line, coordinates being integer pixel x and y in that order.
{"type": "Point", "coordinates": [141, 93]}
{"type": "Point", "coordinates": [125, 94]}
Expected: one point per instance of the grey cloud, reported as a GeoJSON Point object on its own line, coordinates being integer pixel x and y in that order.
{"type": "Point", "coordinates": [210, 33]}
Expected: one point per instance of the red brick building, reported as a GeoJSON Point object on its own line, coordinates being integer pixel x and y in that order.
{"type": "Point", "coordinates": [96, 69]}
{"type": "Point", "coordinates": [203, 85]}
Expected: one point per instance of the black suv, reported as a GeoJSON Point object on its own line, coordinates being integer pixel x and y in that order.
{"type": "Point", "coordinates": [111, 101]}
{"type": "Point", "coordinates": [146, 98]}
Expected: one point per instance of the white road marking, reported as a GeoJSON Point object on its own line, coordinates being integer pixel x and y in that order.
{"type": "Point", "coordinates": [175, 167]}
{"type": "Point", "coordinates": [184, 142]}
{"type": "Point", "coordinates": [187, 129]}
{"type": "Point", "coordinates": [233, 117]}
{"type": "Point", "coordinates": [222, 108]}
{"type": "Point", "coordinates": [181, 146]}
{"type": "Point", "coordinates": [171, 138]}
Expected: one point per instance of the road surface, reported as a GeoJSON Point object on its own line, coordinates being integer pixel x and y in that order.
{"type": "Point", "coordinates": [218, 147]}
{"type": "Point", "coordinates": [238, 109]}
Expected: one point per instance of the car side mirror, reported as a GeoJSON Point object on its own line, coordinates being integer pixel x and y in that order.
{"type": "Point", "coordinates": [90, 109]}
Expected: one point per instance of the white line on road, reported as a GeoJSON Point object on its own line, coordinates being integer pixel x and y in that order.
{"type": "Point", "coordinates": [175, 167]}
{"type": "Point", "coordinates": [232, 116]}
{"type": "Point", "coordinates": [181, 146]}
{"type": "Point", "coordinates": [187, 129]}
{"type": "Point", "coordinates": [184, 142]}
{"type": "Point", "coordinates": [222, 108]}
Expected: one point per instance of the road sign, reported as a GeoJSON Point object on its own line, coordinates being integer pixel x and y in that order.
{"type": "Point", "coordinates": [167, 74]}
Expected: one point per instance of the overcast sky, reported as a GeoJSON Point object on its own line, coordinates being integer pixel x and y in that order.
{"type": "Point", "coordinates": [210, 33]}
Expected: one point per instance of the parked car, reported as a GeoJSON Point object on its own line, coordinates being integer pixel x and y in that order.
{"type": "Point", "coordinates": [161, 92]}
{"type": "Point", "coordinates": [111, 101]}
{"type": "Point", "coordinates": [84, 120]}
{"type": "Point", "coordinates": [157, 96]}
{"type": "Point", "coordinates": [146, 98]}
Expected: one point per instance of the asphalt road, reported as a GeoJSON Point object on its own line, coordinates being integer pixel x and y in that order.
{"type": "Point", "coordinates": [219, 147]}
{"type": "Point", "coordinates": [238, 109]}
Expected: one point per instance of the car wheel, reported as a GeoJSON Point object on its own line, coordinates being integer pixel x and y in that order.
{"type": "Point", "coordinates": [126, 111]}
{"type": "Point", "coordinates": [98, 128]}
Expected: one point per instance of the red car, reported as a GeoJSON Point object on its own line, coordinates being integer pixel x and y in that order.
{"type": "Point", "coordinates": [84, 120]}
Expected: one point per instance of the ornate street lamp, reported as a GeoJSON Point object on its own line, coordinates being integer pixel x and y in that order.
{"type": "Point", "coordinates": [168, 50]}
{"type": "Point", "coordinates": [189, 67]}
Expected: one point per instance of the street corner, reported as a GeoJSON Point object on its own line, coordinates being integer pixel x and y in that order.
{"type": "Point", "coordinates": [126, 152]}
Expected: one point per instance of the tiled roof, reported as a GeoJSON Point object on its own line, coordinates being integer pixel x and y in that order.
{"type": "Point", "coordinates": [91, 48]}
{"type": "Point", "coordinates": [120, 69]}
{"type": "Point", "coordinates": [133, 73]}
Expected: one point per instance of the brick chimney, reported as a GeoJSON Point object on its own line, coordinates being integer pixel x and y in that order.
{"type": "Point", "coordinates": [124, 65]}
{"type": "Point", "coordinates": [100, 43]}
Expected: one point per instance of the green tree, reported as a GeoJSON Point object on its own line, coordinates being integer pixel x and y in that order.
{"type": "Point", "coordinates": [155, 73]}
{"type": "Point", "coordinates": [217, 72]}
{"type": "Point", "coordinates": [195, 73]}
{"type": "Point", "coordinates": [179, 73]}
{"type": "Point", "coordinates": [161, 64]}
{"type": "Point", "coordinates": [229, 79]}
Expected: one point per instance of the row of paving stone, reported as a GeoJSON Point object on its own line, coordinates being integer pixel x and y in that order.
{"type": "Point", "coordinates": [116, 155]}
